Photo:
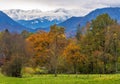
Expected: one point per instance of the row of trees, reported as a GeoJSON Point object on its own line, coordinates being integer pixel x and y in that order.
{"type": "Point", "coordinates": [94, 49]}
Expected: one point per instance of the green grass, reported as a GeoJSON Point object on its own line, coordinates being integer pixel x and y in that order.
{"type": "Point", "coordinates": [62, 79]}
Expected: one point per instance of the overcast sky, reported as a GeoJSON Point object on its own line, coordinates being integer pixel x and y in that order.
{"type": "Point", "coordinates": [46, 5]}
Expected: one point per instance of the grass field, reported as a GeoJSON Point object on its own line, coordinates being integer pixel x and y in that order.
{"type": "Point", "coordinates": [63, 79]}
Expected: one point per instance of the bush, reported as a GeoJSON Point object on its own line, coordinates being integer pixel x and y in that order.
{"type": "Point", "coordinates": [31, 70]}
{"type": "Point", "coordinates": [28, 70]}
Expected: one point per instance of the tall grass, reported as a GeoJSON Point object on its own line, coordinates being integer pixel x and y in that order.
{"type": "Point", "coordinates": [63, 79]}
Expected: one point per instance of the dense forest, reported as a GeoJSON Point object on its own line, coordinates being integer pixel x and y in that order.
{"type": "Point", "coordinates": [94, 49]}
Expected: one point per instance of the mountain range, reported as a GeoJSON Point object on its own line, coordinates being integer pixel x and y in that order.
{"type": "Point", "coordinates": [72, 23]}
{"type": "Point", "coordinates": [33, 20]}
{"type": "Point", "coordinates": [36, 18]}
{"type": "Point", "coordinates": [58, 14]}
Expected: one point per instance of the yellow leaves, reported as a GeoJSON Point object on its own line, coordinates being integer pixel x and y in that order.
{"type": "Point", "coordinates": [57, 32]}
{"type": "Point", "coordinates": [47, 44]}
{"type": "Point", "coordinates": [72, 46]}
{"type": "Point", "coordinates": [63, 36]}
{"type": "Point", "coordinates": [39, 42]}
{"type": "Point", "coordinates": [72, 53]}
{"type": "Point", "coordinates": [115, 35]}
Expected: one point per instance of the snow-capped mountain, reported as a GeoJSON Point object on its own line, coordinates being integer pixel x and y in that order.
{"type": "Point", "coordinates": [58, 14]}
{"type": "Point", "coordinates": [44, 23]}
{"type": "Point", "coordinates": [38, 19]}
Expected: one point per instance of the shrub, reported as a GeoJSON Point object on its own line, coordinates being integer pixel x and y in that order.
{"type": "Point", "coordinates": [28, 70]}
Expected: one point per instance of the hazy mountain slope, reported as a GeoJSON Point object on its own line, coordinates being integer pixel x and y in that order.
{"type": "Point", "coordinates": [7, 23]}
{"type": "Point", "coordinates": [36, 23]}
{"type": "Point", "coordinates": [113, 12]}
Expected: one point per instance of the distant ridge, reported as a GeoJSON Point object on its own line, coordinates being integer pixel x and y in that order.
{"type": "Point", "coordinates": [72, 23]}
{"type": "Point", "coordinates": [43, 24]}
{"type": "Point", "coordinates": [7, 23]}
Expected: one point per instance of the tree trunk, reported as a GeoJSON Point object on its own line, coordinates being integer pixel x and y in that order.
{"type": "Point", "coordinates": [56, 70]}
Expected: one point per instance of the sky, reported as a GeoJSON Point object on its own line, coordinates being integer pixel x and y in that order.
{"type": "Point", "coordinates": [47, 5]}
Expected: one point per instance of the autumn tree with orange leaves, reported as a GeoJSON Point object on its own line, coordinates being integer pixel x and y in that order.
{"type": "Point", "coordinates": [48, 47]}
{"type": "Point", "coordinates": [73, 56]}
{"type": "Point", "coordinates": [39, 44]}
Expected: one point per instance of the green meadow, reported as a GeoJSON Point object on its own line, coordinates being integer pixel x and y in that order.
{"type": "Point", "coordinates": [63, 79]}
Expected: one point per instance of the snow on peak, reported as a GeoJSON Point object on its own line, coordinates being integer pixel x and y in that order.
{"type": "Point", "coordinates": [58, 14]}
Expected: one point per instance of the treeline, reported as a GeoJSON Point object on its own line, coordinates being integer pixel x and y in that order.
{"type": "Point", "coordinates": [94, 49]}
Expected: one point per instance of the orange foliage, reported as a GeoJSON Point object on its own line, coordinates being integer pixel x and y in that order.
{"type": "Point", "coordinates": [72, 53]}
{"type": "Point", "coordinates": [39, 42]}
